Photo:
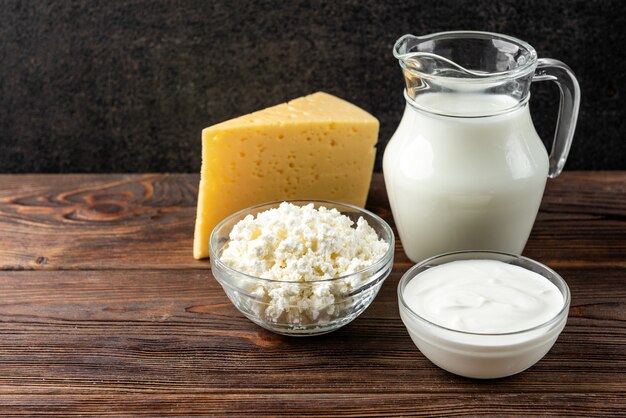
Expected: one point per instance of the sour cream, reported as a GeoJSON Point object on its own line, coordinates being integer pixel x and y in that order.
{"type": "Point", "coordinates": [477, 316]}
{"type": "Point", "coordinates": [483, 296]}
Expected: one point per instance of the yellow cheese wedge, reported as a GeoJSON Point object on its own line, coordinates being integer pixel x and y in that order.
{"type": "Point", "coordinates": [313, 147]}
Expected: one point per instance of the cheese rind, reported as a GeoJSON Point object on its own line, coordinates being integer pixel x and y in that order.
{"type": "Point", "coordinates": [314, 147]}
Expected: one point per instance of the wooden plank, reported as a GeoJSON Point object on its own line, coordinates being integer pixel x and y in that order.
{"type": "Point", "coordinates": [327, 405]}
{"type": "Point", "coordinates": [582, 221]}
{"type": "Point", "coordinates": [170, 341]}
{"type": "Point", "coordinates": [136, 326]}
{"type": "Point", "coordinates": [50, 222]}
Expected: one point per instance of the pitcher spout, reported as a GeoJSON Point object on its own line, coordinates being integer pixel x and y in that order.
{"type": "Point", "coordinates": [465, 62]}
{"type": "Point", "coordinates": [414, 55]}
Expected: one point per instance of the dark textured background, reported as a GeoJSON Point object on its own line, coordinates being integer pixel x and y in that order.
{"type": "Point", "coordinates": [98, 86]}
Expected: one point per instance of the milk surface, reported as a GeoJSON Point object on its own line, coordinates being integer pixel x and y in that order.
{"type": "Point", "coordinates": [464, 182]}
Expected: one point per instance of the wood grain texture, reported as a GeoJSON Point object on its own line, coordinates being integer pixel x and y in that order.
{"type": "Point", "coordinates": [96, 221]}
{"type": "Point", "coordinates": [53, 222]}
{"type": "Point", "coordinates": [120, 320]}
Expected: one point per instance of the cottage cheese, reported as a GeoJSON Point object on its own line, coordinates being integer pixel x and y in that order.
{"type": "Point", "coordinates": [297, 247]}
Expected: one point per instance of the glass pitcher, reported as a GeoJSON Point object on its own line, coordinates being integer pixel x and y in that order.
{"type": "Point", "coordinates": [465, 169]}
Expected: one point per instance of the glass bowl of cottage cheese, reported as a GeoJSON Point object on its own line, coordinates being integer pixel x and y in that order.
{"type": "Point", "coordinates": [302, 268]}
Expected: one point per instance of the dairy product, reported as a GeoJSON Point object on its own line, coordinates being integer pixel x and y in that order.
{"type": "Point", "coordinates": [299, 249]}
{"type": "Point", "coordinates": [483, 296]}
{"type": "Point", "coordinates": [482, 318]}
{"type": "Point", "coordinates": [314, 147]}
{"type": "Point", "coordinates": [466, 182]}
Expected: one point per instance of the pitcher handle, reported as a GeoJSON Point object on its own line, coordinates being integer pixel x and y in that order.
{"type": "Point", "coordinates": [563, 76]}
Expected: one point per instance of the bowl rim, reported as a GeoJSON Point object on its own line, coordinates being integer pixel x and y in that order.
{"type": "Point", "coordinates": [372, 268]}
{"type": "Point", "coordinates": [409, 275]}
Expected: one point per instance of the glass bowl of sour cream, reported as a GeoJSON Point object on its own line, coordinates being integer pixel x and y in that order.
{"type": "Point", "coordinates": [302, 268]}
{"type": "Point", "coordinates": [483, 314]}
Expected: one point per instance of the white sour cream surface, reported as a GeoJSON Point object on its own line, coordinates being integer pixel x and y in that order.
{"type": "Point", "coordinates": [483, 296]}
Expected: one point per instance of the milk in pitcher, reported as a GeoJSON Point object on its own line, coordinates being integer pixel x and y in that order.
{"type": "Point", "coordinates": [460, 183]}
{"type": "Point", "coordinates": [465, 169]}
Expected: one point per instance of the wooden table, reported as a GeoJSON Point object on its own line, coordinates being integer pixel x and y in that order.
{"type": "Point", "coordinates": [103, 310]}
